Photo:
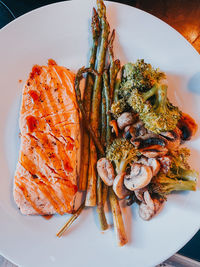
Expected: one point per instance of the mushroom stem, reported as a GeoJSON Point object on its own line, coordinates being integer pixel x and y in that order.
{"type": "Point", "coordinates": [118, 186]}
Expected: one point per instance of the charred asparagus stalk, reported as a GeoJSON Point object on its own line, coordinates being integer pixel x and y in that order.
{"type": "Point", "coordinates": [108, 106]}
{"type": "Point", "coordinates": [101, 192]}
{"type": "Point", "coordinates": [70, 221]}
{"type": "Point", "coordinates": [114, 66]}
{"type": "Point", "coordinates": [96, 101]}
{"type": "Point", "coordinates": [87, 125]}
{"type": "Point", "coordinates": [117, 218]}
{"type": "Point", "coordinates": [100, 205]}
{"type": "Point", "coordinates": [114, 202]}
{"type": "Point", "coordinates": [87, 101]}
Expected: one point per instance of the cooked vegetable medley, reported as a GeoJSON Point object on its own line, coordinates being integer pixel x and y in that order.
{"type": "Point", "coordinates": [135, 134]}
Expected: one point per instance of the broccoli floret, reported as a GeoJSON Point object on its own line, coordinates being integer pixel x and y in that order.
{"type": "Point", "coordinates": [158, 115]}
{"type": "Point", "coordinates": [121, 152]}
{"type": "Point", "coordinates": [118, 108]}
{"type": "Point", "coordinates": [179, 165]}
{"type": "Point", "coordinates": [163, 185]}
{"type": "Point", "coordinates": [179, 177]}
{"type": "Point", "coordinates": [140, 76]}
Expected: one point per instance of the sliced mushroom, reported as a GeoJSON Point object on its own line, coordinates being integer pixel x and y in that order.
{"type": "Point", "coordinates": [149, 139]}
{"type": "Point", "coordinates": [165, 163]}
{"type": "Point", "coordinates": [140, 130]}
{"type": "Point", "coordinates": [146, 208]}
{"type": "Point", "coordinates": [157, 204]}
{"type": "Point", "coordinates": [149, 207]}
{"type": "Point", "coordinates": [140, 193]}
{"type": "Point", "coordinates": [152, 162]}
{"type": "Point", "coordinates": [153, 151]}
{"type": "Point", "coordinates": [135, 130]}
{"type": "Point", "coordinates": [173, 138]}
{"type": "Point", "coordinates": [188, 127]}
{"type": "Point", "coordinates": [106, 171]}
{"type": "Point", "coordinates": [129, 132]}
{"type": "Point", "coordinates": [118, 186]}
{"type": "Point", "coordinates": [139, 177]}
{"type": "Point", "coordinates": [125, 119]}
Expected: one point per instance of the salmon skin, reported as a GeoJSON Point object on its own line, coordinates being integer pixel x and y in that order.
{"type": "Point", "coordinates": [46, 175]}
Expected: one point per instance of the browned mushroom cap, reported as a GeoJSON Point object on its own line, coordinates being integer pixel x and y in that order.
{"type": "Point", "coordinates": [140, 193]}
{"type": "Point", "coordinates": [149, 207]}
{"type": "Point", "coordinates": [106, 171]}
{"type": "Point", "coordinates": [152, 162]}
{"type": "Point", "coordinates": [188, 127]}
{"type": "Point", "coordinates": [140, 130]}
{"type": "Point", "coordinates": [139, 177]}
{"type": "Point", "coordinates": [149, 139]}
{"type": "Point", "coordinates": [173, 138]}
{"type": "Point", "coordinates": [153, 151]}
{"type": "Point", "coordinates": [125, 119]}
{"type": "Point", "coordinates": [165, 163]}
{"type": "Point", "coordinates": [118, 186]}
{"type": "Point", "coordinates": [135, 130]}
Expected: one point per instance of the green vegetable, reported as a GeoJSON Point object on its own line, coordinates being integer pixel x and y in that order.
{"type": "Point", "coordinates": [180, 168]}
{"type": "Point", "coordinates": [117, 219]}
{"type": "Point", "coordinates": [179, 177]}
{"type": "Point", "coordinates": [116, 91]}
{"type": "Point", "coordinates": [100, 205]}
{"type": "Point", "coordinates": [163, 185]}
{"type": "Point", "coordinates": [121, 152]}
{"type": "Point", "coordinates": [87, 125]}
{"type": "Point", "coordinates": [115, 66]}
{"type": "Point", "coordinates": [140, 76]}
{"type": "Point", "coordinates": [71, 220]}
{"type": "Point", "coordinates": [96, 102]}
{"type": "Point", "coordinates": [87, 101]}
{"type": "Point", "coordinates": [159, 115]}
{"type": "Point", "coordinates": [118, 108]}
{"type": "Point", "coordinates": [107, 98]}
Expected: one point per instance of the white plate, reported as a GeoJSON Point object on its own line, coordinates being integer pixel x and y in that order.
{"type": "Point", "coordinates": [61, 31]}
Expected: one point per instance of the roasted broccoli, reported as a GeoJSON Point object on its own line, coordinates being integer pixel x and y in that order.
{"type": "Point", "coordinates": [179, 177]}
{"type": "Point", "coordinates": [163, 185]}
{"type": "Point", "coordinates": [154, 109]}
{"type": "Point", "coordinates": [118, 108]}
{"type": "Point", "coordinates": [140, 76]}
{"type": "Point", "coordinates": [121, 153]}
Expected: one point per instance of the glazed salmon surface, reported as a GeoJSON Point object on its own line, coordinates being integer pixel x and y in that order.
{"type": "Point", "coordinates": [48, 166]}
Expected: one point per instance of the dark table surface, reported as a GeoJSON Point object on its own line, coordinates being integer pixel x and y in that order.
{"type": "Point", "coordinates": [183, 15]}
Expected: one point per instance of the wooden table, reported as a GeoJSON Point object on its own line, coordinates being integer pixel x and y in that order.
{"type": "Point", "coordinates": [183, 15]}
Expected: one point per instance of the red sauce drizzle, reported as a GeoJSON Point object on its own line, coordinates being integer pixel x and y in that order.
{"type": "Point", "coordinates": [51, 62]}
{"type": "Point", "coordinates": [34, 95]}
{"type": "Point", "coordinates": [70, 146]}
{"type": "Point", "coordinates": [36, 70]}
{"type": "Point", "coordinates": [47, 217]}
{"type": "Point", "coordinates": [67, 166]}
{"type": "Point", "coordinates": [31, 123]}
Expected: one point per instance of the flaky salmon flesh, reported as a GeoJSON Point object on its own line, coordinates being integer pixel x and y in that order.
{"type": "Point", "coordinates": [46, 175]}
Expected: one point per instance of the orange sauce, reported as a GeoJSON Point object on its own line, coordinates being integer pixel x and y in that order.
{"type": "Point", "coordinates": [34, 95]}
{"type": "Point", "coordinates": [36, 70]}
{"type": "Point", "coordinates": [51, 62]}
{"type": "Point", "coordinates": [31, 123]}
{"type": "Point", "coordinates": [47, 217]}
{"type": "Point", "coordinates": [26, 195]}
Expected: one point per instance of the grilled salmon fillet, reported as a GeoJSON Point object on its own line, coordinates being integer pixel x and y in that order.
{"type": "Point", "coordinates": [46, 175]}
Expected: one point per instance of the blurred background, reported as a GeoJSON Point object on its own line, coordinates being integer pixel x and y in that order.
{"type": "Point", "coordinates": [183, 15]}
